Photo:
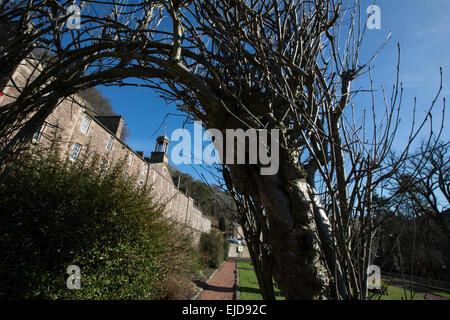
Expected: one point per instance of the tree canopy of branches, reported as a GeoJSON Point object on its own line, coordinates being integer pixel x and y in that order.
{"type": "Point", "coordinates": [241, 64]}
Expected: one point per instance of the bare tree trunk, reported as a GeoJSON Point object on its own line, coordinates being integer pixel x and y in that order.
{"type": "Point", "coordinates": [296, 248]}
{"type": "Point", "coordinates": [338, 289]}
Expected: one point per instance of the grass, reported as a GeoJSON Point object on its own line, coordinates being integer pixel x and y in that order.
{"type": "Point", "coordinates": [444, 294]}
{"type": "Point", "coordinates": [249, 288]}
{"type": "Point", "coordinates": [248, 284]}
{"type": "Point", "coordinates": [422, 288]}
{"type": "Point", "coordinates": [396, 293]}
{"type": "Point", "coordinates": [416, 287]}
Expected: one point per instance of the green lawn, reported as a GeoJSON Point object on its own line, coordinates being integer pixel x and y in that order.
{"type": "Point", "coordinates": [248, 284]}
{"type": "Point", "coordinates": [444, 294]}
{"type": "Point", "coordinates": [396, 293]}
{"type": "Point", "coordinates": [249, 288]}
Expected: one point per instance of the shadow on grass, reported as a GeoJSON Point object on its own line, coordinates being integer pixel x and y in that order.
{"type": "Point", "coordinates": [249, 269]}
{"type": "Point", "coordinates": [249, 290]}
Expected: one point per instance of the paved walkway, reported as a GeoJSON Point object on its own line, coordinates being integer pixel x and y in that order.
{"type": "Point", "coordinates": [222, 284]}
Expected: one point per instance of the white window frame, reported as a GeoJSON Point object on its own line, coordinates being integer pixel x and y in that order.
{"type": "Point", "coordinates": [38, 134]}
{"type": "Point", "coordinates": [144, 169]}
{"type": "Point", "coordinates": [130, 159]}
{"type": "Point", "coordinates": [86, 124]}
{"type": "Point", "coordinates": [75, 151]}
{"type": "Point", "coordinates": [110, 144]}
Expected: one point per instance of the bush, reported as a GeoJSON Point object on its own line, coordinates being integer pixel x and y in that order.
{"type": "Point", "coordinates": [226, 249]}
{"type": "Point", "coordinates": [211, 245]}
{"type": "Point", "coordinates": [57, 213]}
{"type": "Point", "coordinates": [179, 287]}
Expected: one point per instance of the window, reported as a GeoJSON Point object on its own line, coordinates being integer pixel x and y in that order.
{"type": "Point", "coordinates": [85, 125]}
{"type": "Point", "coordinates": [110, 143]}
{"type": "Point", "coordinates": [130, 159]}
{"type": "Point", "coordinates": [141, 185]}
{"type": "Point", "coordinates": [144, 170]}
{"type": "Point", "coordinates": [37, 135]}
{"type": "Point", "coordinates": [75, 151]}
{"type": "Point", "coordinates": [126, 176]}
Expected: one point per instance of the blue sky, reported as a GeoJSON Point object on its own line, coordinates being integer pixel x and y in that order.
{"type": "Point", "coordinates": [422, 27]}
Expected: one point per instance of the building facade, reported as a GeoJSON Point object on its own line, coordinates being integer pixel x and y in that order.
{"type": "Point", "coordinates": [78, 129]}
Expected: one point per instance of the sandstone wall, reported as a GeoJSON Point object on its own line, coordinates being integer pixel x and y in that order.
{"type": "Point", "coordinates": [65, 124]}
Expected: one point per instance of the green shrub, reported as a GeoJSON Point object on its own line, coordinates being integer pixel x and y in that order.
{"type": "Point", "coordinates": [226, 249]}
{"type": "Point", "coordinates": [56, 213]}
{"type": "Point", "coordinates": [211, 245]}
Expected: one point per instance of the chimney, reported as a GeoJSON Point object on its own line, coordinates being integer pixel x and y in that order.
{"type": "Point", "coordinates": [113, 123]}
{"type": "Point", "coordinates": [176, 182]}
{"type": "Point", "coordinates": [141, 153]}
{"type": "Point", "coordinates": [119, 127]}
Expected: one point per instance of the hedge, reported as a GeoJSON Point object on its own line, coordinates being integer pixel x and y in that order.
{"type": "Point", "coordinates": [55, 213]}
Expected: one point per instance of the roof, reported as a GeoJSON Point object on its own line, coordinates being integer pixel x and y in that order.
{"type": "Point", "coordinates": [162, 137]}
{"type": "Point", "coordinates": [111, 122]}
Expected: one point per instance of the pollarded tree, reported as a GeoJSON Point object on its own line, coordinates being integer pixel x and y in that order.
{"type": "Point", "coordinates": [278, 65]}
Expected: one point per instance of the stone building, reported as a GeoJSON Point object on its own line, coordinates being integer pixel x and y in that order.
{"type": "Point", "coordinates": [79, 128]}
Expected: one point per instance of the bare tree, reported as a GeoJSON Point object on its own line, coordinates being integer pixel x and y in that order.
{"type": "Point", "coordinates": [277, 65]}
{"type": "Point", "coordinates": [425, 179]}
{"type": "Point", "coordinates": [268, 64]}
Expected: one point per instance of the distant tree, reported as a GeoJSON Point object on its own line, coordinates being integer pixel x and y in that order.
{"type": "Point", "coordinates": [102, 106]}
{"type": "Point", "coordinates": [425, 182]}
{"type": "Point", "coordinates": [97, 101]}
{"type": "Point", "coordinates": [125, 132]}
{"type": "Point", "coordinates": [214, 201]}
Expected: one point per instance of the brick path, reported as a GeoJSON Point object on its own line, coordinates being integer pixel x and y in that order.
{"type": "Point", "coordinates": [222, 284]}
